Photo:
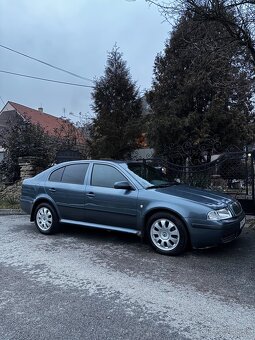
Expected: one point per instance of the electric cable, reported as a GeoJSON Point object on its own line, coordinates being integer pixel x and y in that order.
{"type": "Point", "coordinates": [45, 63]}
{"type": "Point", "coordinates": [45, 79]}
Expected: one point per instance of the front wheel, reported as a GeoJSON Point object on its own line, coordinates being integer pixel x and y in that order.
{"type": "Point", "coordinates": [46, 219]}
{"type": "Point", "coordinates": [167, 234]}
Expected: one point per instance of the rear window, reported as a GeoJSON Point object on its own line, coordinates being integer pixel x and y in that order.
{"type": "Point", "coordinates": [74, 174]}
{"type": "Point", "coordinates": [56, 175]}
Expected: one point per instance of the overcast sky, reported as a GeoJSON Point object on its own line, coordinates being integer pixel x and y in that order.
{"type": "Point", "coordinates": [75, 35]}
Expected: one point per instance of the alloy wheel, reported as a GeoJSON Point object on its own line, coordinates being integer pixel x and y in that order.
{"type": "Point", "coordinates": [44, 218]}
{"type": "Point", "coordinates": [164, 234]}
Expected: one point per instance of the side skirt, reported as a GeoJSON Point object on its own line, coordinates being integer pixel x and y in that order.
{"type": "Point", "coordinates": [102, 226]}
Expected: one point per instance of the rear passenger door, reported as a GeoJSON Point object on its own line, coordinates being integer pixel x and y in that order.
{"type": "Point", "coordinates": [67, 189]}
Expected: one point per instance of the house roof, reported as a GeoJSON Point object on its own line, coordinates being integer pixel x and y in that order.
{"type": "Point", "coordinates": [52, 125]}
{"type": "Point", "coordinates": [48, 122]}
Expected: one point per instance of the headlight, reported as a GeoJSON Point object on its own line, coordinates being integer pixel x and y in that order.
{"type": "Point", "coordinates": [221, 214]}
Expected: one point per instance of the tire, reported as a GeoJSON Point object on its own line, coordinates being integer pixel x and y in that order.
{"type": "Point", "coordinates": [46, 219]}
{"type": "Point", "coordinates": [167, 234]}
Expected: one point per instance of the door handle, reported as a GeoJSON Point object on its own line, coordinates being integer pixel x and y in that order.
{"type": "Point", "coordinates": [52, 189]}
{"type": "Point", "coordinates": [90, 194]}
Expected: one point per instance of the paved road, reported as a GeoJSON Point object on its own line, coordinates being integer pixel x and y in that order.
{"type": "Point", "coordinates": [87, 284]}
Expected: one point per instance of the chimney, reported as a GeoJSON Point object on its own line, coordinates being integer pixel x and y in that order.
{"type": "Point", "coordinates": [40, 109]}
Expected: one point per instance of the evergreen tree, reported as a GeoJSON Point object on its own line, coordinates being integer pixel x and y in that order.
{"type": "Point", "coordinates": [201, 90]}
{"type": "Point", "coordinates": [118, 111]}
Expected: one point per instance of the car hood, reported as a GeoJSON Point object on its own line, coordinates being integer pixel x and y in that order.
{"type": "Point", "coordinates": [208, 198]}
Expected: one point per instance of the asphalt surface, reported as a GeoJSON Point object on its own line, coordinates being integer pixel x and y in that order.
{"type": "Point", "coordinates": [90, 284]}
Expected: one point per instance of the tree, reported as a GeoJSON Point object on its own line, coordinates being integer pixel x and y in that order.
{"type": "Point", "coordinates": [236, 16]}
{"type": "Point", "coordinates": [199, 90]}
{"type": "Point", "coordinates": [23, 139]}
{"type": "Point", "coordinates": [118, 111]}
{"type": "Point", "coordinates": [70, 137]}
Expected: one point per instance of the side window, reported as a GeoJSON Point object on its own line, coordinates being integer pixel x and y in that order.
{"type": "Point", "coordinates": [75, 173]}
{"type": "Point", "coordinates": [56, 175]}
{"type": "Point", "coordinates": [105, 176]}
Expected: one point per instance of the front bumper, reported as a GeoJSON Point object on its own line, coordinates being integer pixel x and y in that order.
{"type": "Point", "coordinates": [212, 233]}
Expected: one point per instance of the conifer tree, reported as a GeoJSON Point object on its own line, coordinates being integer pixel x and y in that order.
{"type": "Point", "coordinates": [200, 91]}
{"type": "Point", "coordinates": [118, 111]}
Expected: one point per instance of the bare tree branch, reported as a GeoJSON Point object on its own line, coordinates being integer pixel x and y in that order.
{"type": "Point", "coordinates": [237, 16]}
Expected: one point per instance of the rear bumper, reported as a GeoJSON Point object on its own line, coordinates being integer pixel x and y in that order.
{"type": "Point", "coordinates": [26, 205]}
{"type": "Point", "coordinates": [215, 232]}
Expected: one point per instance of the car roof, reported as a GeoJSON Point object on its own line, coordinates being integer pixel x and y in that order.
{"type": "Point", "coordinates": [93, 161]}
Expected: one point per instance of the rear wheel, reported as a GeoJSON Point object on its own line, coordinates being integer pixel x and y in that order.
{"type": "Point", "coordinates": [46, 219]}
{"type": "Point", "coordinates": [167, 234]}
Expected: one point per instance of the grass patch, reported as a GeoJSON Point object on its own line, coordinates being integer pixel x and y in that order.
{"type": "Point", "coordinates": [9, 203]}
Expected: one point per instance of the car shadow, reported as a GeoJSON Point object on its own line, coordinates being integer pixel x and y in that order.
{"type": "Point", "coordinates": [97, 234]}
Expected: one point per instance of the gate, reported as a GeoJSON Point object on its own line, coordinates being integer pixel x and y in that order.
{"type": "Point", "coordinates": [67, 155]}
{"type": "Point", "coordinates": [231, 172]}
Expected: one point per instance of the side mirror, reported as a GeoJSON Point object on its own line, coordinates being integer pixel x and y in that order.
{"type": "Point", "coordinates": [123, 185]}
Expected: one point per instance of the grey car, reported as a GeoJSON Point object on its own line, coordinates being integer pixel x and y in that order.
{"type": "Point", "coordinates": [131, 197]}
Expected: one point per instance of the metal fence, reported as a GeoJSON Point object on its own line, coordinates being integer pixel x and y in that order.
{"type": "Point", "coordinates": [231, 171]}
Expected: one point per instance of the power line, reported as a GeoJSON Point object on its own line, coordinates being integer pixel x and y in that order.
{"type": "Point", "coordinates": [50, 80]}
{"type": "Point", "coordinates": [45, 63]}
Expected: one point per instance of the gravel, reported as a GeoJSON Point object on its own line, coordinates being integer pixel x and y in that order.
{"type": "Point", "coordinates": [117, 280]}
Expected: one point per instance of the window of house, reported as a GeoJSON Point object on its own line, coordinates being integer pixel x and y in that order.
{"type": "Point", "coordinates": [105, 176]}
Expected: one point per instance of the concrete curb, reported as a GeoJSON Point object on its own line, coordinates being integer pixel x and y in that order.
{"type": "Point", "coordinates": [4, 212]}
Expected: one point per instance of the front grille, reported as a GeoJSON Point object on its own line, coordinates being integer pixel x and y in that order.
{"type": "Point", "coordinates": [236, 208]}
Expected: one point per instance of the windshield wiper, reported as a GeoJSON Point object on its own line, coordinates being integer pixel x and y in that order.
{"type": "Point", "coordinates": [162, 185]}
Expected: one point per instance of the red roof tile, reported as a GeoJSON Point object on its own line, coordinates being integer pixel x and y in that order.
{"type": "Point", "coordinates": [48, 122]}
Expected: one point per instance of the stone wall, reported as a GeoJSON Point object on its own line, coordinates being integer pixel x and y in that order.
{"type": "Point", "coordinates": [10, 194]}
{"type": "Point", "coordinates": [27, 167]}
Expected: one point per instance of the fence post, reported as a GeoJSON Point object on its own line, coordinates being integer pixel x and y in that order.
{"type": "Point", "coordinates": [252, 175]}
{"type": "Point", "coordinates": [247, 172]}
{"type": "Point", "coordinates": [187, 169]}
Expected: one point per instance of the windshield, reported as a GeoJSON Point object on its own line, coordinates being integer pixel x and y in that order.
{"type": "Point", "coordinates": [149, 176]}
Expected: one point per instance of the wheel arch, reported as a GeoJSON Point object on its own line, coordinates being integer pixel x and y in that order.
{"type": "Point", "coordinates": [39, 201]}
{"type": "Point", "coordinates": [164, 210]}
